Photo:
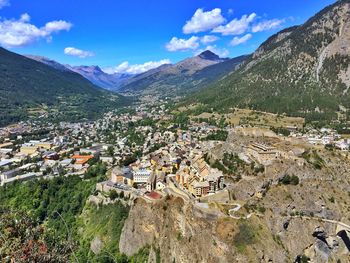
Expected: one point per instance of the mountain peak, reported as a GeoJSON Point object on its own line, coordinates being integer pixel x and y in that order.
{"type": "Point", "coordinates": [209, 55]}
{"type": "Point", "coordinates": [89, 68]}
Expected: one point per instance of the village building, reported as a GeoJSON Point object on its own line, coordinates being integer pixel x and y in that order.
{"type": "Point", "coordinates": [141, 176]}
{"type": "Point", "coordinates": [151, 182]}
{"type": "Point", "coordinates": [262, 153]}
{"type": "Point", "coordinates": [81, 160]}
{"type": "Point", "coordinates": [201, 188]}
{"type": "Point", "coordinates": [28, 149]}
{"type": "Point", "coordinates": [122, 176]}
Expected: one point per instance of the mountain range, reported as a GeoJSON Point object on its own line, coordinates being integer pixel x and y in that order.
{"type": "Point", "coordinates": [182, 77]}
{"type": "Point", "coordinates": [303, 71]}
{"type": "Point", "coordinates": [167, 79]}
{"type": "Point", "coordinates": [92, 73]}
{"type": "Point", "coordinates": [28, 87]}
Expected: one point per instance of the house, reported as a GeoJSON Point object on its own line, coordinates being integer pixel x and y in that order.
{"type": "Point", "coordinates": [81, 160]}
{"type": "Point", "coordinates": [191, 182]}
{"type": "Point", "coordinates": [28, 150]}
{"type": "Point", "coordinates": [122, 176]}
{"type": "Point", "coordinates": [6, 145]}
{"type": "Point", "coordinates": [160, 181]}
{"type": "Point", "coordinates": [155, 160]}
{"type": "Point", "coordinates": [5, 150]}
{"type": "Point", "coordinates": [5, 163]}
{"type": "Point", "coordinates": [50, 156]}
{"type": "Point", "coordinates": [216, 182]}
{"type": "Point", "coordinates": [150, 185]}
{"type": "Point", "coordinates": [201, 188]}
{"type": "Point", "coordinates": [65, 162]}
{"type": "Point", "coordinates": [106, 159]}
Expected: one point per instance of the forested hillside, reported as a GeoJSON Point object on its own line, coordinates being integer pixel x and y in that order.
{"type": "Point", "coordinates": [28, 86]}
{"type": "Point", "coordinates": [303, 70]}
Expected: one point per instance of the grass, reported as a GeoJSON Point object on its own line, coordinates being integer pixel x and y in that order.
{"type": "Point", "coordinates": [105, 222]}
{"type": "Point", "coordinates": [245, 237]}
{"type": "Point", "coordinates": [256, 118]}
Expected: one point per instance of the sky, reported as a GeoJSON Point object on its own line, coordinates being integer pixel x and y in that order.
{"type": "Point", "coordinates": [136, 35]}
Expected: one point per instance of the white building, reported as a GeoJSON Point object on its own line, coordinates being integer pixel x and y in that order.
{"type": "Point", "coordinates": [141, 176]}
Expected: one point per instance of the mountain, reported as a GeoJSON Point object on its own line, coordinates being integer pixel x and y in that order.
{"type": "Point", "coordinates": [30, 87]}
{"type": "Point", "coordinates": [303, 70]}
{"type": "Point", "coordinates": [100, 78]}
{"type": "Point", "coordinates": [182, 77]}
{"type": "Point", "coordinates": [48, 62]}
{"type": "Point", "coordinates": [210, 56]}
{"type": "Point", "coordinates": [92, 73]}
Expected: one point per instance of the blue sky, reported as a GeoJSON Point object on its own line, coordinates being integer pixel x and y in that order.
{"type": "Point", "coordinates": [133, 36]}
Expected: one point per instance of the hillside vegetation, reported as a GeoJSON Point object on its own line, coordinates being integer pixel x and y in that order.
{"type": "Point", "coordinates": [302, 71]}
{"type": "Point", "coordinates": [26, 84]}
{"type": "Point", "coordinates": [50, 221]}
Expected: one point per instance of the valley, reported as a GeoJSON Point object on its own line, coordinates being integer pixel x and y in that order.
{"type": "Point", "coordinates": [208, 159]}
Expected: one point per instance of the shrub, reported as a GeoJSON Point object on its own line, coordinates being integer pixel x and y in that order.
{"type": "Point", "coordinates": [245, 236]}
{"type": "Point", "coordinates": [287, 179]}
{"type": "Point", "coordinates": [113, 195]}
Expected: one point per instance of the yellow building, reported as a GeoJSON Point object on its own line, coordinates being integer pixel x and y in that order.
{"type": "Point", "coordinates": [28, 149]}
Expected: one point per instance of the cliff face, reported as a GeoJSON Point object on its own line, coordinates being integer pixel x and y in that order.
{"type": "Point", "coordinates": [180, 232]}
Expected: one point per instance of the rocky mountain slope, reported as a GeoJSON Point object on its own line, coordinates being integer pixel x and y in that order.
{"type": "Point", "coordinates": [29, 87]}
{"type": "Point", "coordinates": [303, 70]}
{"type": "Point", "coordinates": [92, 73]}
{"type": "Point", "coordinates": [184, 76]}
{"type": "Point", "coordinates": [101, 79]}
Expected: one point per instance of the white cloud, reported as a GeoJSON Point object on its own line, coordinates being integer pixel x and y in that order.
{"type": "Point", "coordinates": [240, 40]}
{"type": "Point", "coordinates": [267, 25]}
{"type": "Point", "coordinates": [236, 26]}
{"type": "Point", "coordinates": [24, 18]}
{"type": "Point", "coordinates": [4, 3]}
{"type": "Point", "coordinates": [18, 33]}
{"type": "Point", "coordinates": [221, 52]}
{"type": "Point", "coordinates": [209, 39]}
{"type": "Point", "coordinates": [179, 44]}
{"type": "Point", "coordinates": [75, 52]}
{"type": "Point", "coordinates": [59, 25]}
{"type": "Point", "coordinates": [125, 67]}
{"type": "Point", "coordinates": [203, 21]}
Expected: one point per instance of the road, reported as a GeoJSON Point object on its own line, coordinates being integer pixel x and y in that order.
{"type": "Point", "coordinates": [236, 209]}
{"type": "Point", "coordinates": [347, 227]}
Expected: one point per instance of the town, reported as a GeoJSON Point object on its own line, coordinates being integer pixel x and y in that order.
{"type": "Point", "coordinates": [150, 152]}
